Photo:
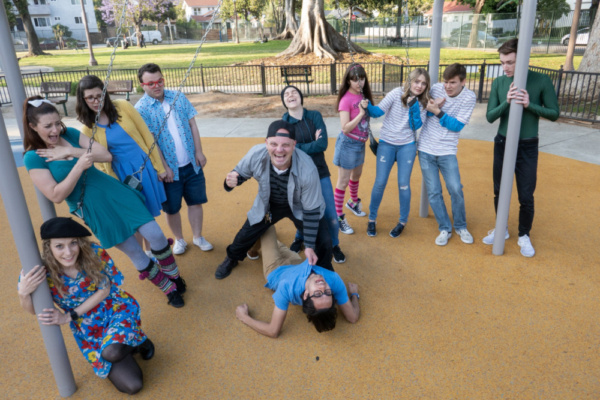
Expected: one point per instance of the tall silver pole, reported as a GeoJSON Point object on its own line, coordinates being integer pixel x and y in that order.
{"type": "Point", "coordinates": [514, 125]}
{"type": "Point", "coordinates": [24, 237]}
{"type": "Point", "coordinates": [434, 69]}
{"type": "Point", "coordinates": [16, 90]}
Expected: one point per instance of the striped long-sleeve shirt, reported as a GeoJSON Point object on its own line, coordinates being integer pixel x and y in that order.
{"type": "Point", "coordinates": [396, 129]}
{"type": "Point", "coordinates": [437, 140]}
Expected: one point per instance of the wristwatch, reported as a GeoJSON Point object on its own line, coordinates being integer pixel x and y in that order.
{"type": "Point", "coordinates": [74, 316]}
{"type": "Point", "coordinates": [355, 294]}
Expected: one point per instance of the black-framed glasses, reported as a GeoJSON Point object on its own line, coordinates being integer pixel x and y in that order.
{"type": "Point", "coordinates": [93, 99]}
{"type": "Point", "coordinates": [320, 293]}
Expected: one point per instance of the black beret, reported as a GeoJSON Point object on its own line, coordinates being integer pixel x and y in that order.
{"type": "Point", "coordinates": [293, 87]}
{"type": "Point", "coordinates": [62, 227]}
{"type": "Point", "coordinates": [281, 124]}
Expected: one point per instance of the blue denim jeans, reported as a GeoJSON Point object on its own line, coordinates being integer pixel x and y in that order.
{"type": "Point", "coordinates": [330, 214]}
{"type": "Point", "coordinates": [387, 154]}
{"type": "Point", "coordinates": [431, 166]}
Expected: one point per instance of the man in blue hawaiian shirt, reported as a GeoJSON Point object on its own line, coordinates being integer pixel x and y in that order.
{"type": "Point", "coordinates": [181, 151]}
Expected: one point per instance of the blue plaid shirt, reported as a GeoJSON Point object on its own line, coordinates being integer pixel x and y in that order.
{"type": "Point", "coordinates": [153, 113]}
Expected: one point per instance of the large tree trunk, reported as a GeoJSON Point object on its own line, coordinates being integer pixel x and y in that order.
{"type": "Point", "coordinates": [573, 37]}
{"type": "Point", "coordinates": [473, 38]}
{"type": "Point", "coordinates": [33, 43]}
{"type": "Point", "coordinates": [316, 35]}
{"type": "Point", "coordinates": [591, 57]}
{"type": "Point", "coordinates": [291, 28]}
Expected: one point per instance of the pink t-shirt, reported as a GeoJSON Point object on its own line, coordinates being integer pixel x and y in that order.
{"type": "Point", "coordinates": [351, 103]}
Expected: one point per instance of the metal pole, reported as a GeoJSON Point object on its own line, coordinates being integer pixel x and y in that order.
{"type": "Point", "coordinates": [16, 90]}
{"type": "Point", "coordinates": [24, 237]}
{"type": "Point", "coordinates": [514, 125]}
{"type": "Point", "coordinates": [434, 68]}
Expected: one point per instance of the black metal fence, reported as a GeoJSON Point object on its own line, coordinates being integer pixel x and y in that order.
{"type": "Point", "coordinates": [578, 92]}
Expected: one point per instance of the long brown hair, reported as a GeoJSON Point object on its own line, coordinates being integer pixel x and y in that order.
{"type": "Point", "coordinates": [87, 261]}
{"type": "Point", "coordinates": [423, 98]}
{"type": "Point", "coordinates": [31, 114]}
{"type": "Point", "coordinates": [85, 114]}
{"type": "Point", "coordinates": [354, 71]}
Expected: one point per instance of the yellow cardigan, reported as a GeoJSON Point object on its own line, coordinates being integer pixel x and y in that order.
{"type": "Point", "coordinates": [132, 122]}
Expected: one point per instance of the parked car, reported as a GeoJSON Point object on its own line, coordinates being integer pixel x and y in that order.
{"type": "Point", "coordinates": [583, 35]}
{"type": "Point", "coordinates": [462, 40]}
{"type": "Point", "coordinates": [49, 44]}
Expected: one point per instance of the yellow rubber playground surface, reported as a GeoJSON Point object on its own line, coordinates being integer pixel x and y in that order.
{"type": "Point", "coordinates": [453, 322]}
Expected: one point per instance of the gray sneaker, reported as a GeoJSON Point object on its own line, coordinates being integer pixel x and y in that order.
{"type": "Point", "coordinates": [465, 236]}
{"type": "Point", "coordinates": [344, 226]}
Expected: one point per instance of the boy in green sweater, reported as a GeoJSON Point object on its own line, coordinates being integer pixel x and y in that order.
{"type": "Point", "coordinates": [538, 100]}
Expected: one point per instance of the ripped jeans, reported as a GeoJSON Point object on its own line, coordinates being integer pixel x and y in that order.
{"type": "Point", "coordinates": [404, 156]}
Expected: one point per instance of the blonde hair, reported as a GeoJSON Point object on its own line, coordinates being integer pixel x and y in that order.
{"type": "Point", "coordinates": [423, 98]}
{"type": "Point", "coordinates": [87, 261]}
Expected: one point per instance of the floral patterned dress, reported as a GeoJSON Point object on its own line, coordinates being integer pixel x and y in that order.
{"type": "Point", "coordinates": [115, 320]}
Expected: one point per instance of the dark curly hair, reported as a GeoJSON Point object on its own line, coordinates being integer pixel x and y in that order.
{"type": "Point", "coordinates": [324, 319]}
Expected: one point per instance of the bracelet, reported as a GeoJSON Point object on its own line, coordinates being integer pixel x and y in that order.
{"type": "Point", "coordinates": [355, 294]}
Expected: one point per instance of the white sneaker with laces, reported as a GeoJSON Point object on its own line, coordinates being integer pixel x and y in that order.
{"type": "Point", "coordinates": [179, 246]}
{"type": "Point", "coordinates": [527, 249]}
{"type": "Point", "coordinates": [344, 226]}
{"type": "Point", "coordinates": [443, 237]}
{"type": "Point", "coordinates": [489, 239]}
{"type": "Point", "coordinates": [465, 236]}
{"type": "Point", "coordinates": [203, 244]}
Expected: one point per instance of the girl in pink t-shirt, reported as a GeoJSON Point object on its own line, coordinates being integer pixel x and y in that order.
{"type": "Point", "coordinates": [353, 99]}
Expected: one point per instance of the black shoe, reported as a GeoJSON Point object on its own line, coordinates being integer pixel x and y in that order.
{"type": "Point", "coordinates": [175, 299]}
{"type": "Point", "coordinates": [296, 245]}
{"type": "Point", "coordinates": [397, 230]}
{"type": "Point", "coordinates": [338, 256]}
{"type": "Point", "coordinates": [225, 268]}
{"type": "Point", "coordinates": [146, 349]}
{"type": "Point", "coordinates": [371, 229]}
{"type": "Point", "coordinates": [181, 285]}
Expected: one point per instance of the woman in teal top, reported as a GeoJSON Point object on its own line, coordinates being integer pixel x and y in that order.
{"type": "Point", "coordinates": [60, 166]}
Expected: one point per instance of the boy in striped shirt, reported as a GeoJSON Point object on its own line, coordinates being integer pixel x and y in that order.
{"type": "Point", "coordinates": [449, 110]}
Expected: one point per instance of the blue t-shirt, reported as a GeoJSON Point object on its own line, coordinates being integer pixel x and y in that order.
{"type": "Point", "coordinates": [288, 282]}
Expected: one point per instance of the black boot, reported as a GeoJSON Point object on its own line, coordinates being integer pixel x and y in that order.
{"type": "Point", "coordinates": [146, 349]}
{"type": "Point", "coordinates": [180, 283]}
{"type": "Point", "coordinates": [225, 268]}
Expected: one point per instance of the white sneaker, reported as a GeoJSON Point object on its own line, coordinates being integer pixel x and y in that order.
{"type": "Point", "coordinates": [344, 226]}
{"type": "Point", "coordinates": [179, 246]}
{"type": "Point", "coordinates": [442, 239]}
{"type": "Point", "coordinates": [203, 244]}
{"type": "Point", "coordinates": [489, 239]}
{"type": "Point", "coordinates": [527, 249]}
{"type": "Point", "coordinates": [149, 253]}
{"type": "Point", "coordinates": [465, 236]}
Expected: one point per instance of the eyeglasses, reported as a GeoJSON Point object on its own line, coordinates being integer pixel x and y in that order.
{"type": "Point", "coordinates": [93, 99]}
{"type": "Point", "coordinates": [160, 82]}
{"type": "Point", "coordinates": [319, 293]}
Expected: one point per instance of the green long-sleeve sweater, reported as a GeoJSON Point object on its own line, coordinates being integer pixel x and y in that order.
{"type": "Point", "coordinates": [542, 103]}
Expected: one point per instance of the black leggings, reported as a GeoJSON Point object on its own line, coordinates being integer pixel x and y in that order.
{"type": "Point", "coordinates": [125, 373]}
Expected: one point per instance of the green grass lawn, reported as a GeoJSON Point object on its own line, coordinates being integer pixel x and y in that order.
{"type": "Point", "coordinates": [219, 54]}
